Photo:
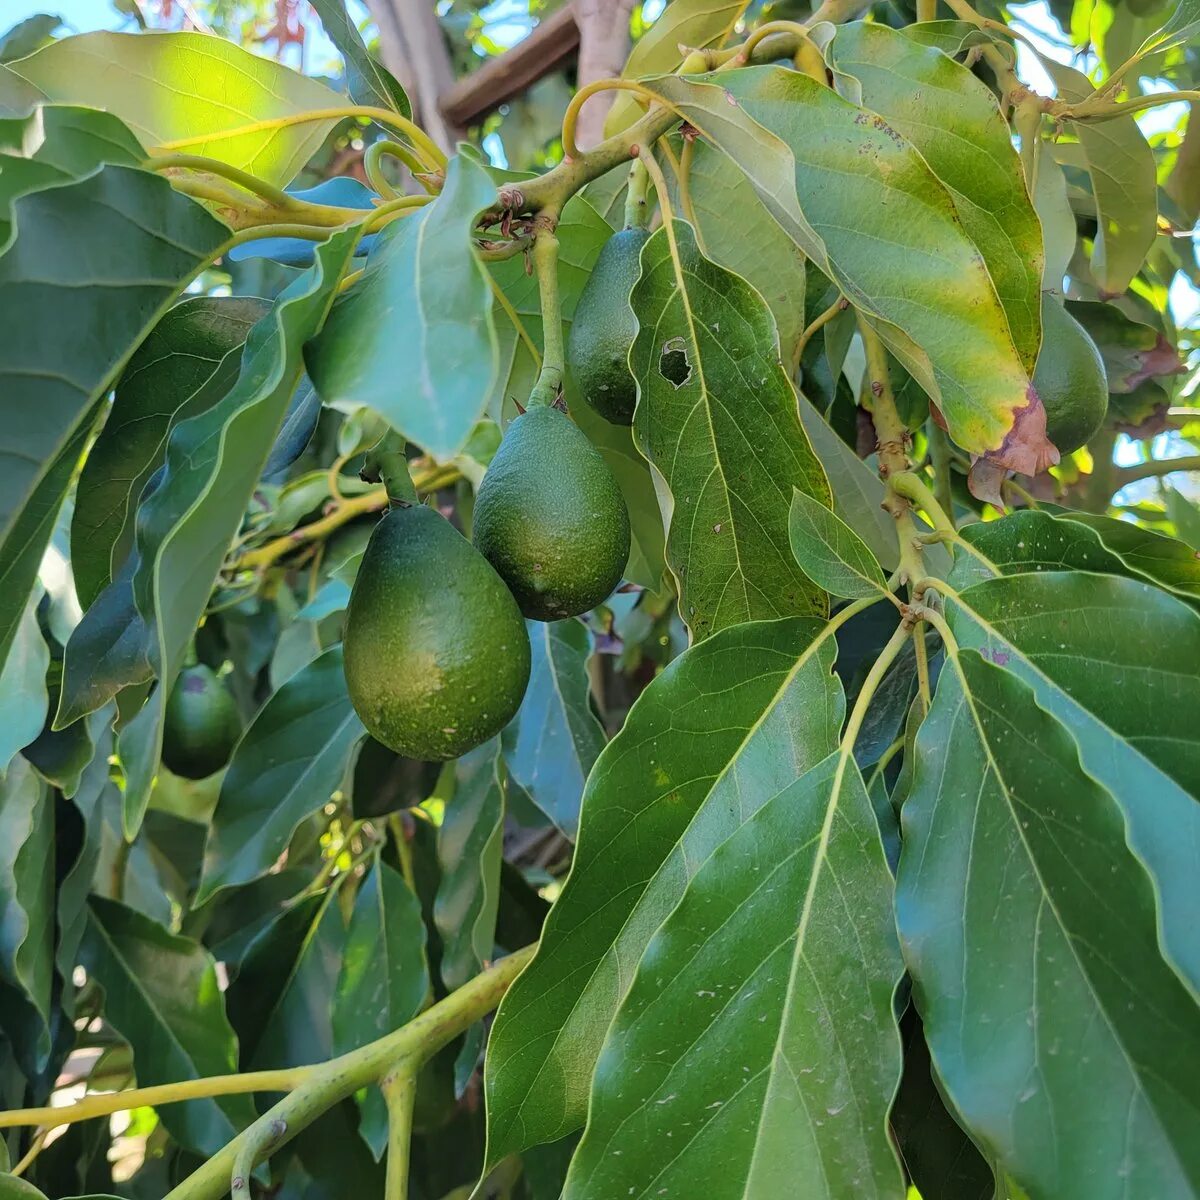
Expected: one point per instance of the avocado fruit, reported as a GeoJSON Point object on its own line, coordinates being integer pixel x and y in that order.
{"type": "Point", "coordinates": [436, 653]}
{"type": "Point", "coordinates": [201, 724]}
{"type": "Point", "coordinates": [550, 517]}
{"type": "Point", "coordinates": [1070, 379]}
{"type": "Point", "coordinates": [604, 327]}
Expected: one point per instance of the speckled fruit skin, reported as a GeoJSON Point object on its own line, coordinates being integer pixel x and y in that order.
{"type": "Point", "coordinates": [436, 652]}
{"type": "Point", "coordinates": [201, 725]}
{"type": "Point", "coordinates": [1070, 379]}
{"type": "Point", "coordinates": [551, 519]}
{"type": "Point", "coordinates": [603, 329]}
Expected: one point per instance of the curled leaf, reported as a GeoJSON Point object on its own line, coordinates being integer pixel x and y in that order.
{"type": "Point", "coordinates": [1026, 449]}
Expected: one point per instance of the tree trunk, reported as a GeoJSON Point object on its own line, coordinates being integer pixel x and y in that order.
{"type": "Point", "coordinates": [603, 48]}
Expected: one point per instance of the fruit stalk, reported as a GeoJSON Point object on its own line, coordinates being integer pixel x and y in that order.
{"type": "Point", "coordinates": [545, 264]}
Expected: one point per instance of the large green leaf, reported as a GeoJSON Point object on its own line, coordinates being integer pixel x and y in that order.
{"type": "Point", "coordinates": [1029, 930]}
{"type": "Point", "coordinates": [195, 346]}
{"type": "Point", "coordinates": [830, 552]}
{"type": "Point", "coordinates": [717, 420]}
{"type": "Point", "coordinates": [23, 698]}
{"type": "Point", "coordinates": [1121, 166]}
{"type": "Point", "coordinates": [103, 257]}
{"type": "Point", "coordinates": [367, 80]}
{"type": "Point", "coordinates": [27, 905]}
{"type": "Point", "coordinates": [554, 740]}
{"type": "Point", "coordinates": [1118, 663]}
{"type": "Point", "coordinates": [758, 1030]}
{"type": "Point", "coordinates": [161, 995]}
{"type": "Point", "coordinates": [194, 88]}
{"type": "Point", "coordinates": [384, 979]}
{"type": "Point", "coordinates": [285, 768]}
{"type": "Point", "coordinates": [727, 725]}
{"type": "Point", "coordinates": [682, 26]}
{"type": "Point", "coordinates": [469, 851]}
{"type": "Point", "coordinates": [954, 121]}
{"type": "Point", "coordinates": [864, 205]}
{"type": "Point", "coordinates": [414, 340]}
{"type": "Point", "coordinates": [213, 464]}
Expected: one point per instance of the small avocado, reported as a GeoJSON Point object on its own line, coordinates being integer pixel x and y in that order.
{"type": "Point", "coordinates": [1070, 379]}
{"type": "Point", "coordinates": [550, 517]}
{"type": "Point", "coordinates": [436, 653]}
{"type": "Point", "coordinates": [201, 725]}
{"type": "Point", "coordinates": [604, 328]}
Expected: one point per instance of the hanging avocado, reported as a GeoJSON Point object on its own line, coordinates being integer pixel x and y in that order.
{"type": "Point", "coordinates": [1070, 379]}
{"type": "Point", "coordinates": [201, 725]}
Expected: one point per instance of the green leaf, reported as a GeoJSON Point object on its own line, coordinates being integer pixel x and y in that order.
{"type": "Point", "coordinates": [103, 257]}
{"type": "Point", "coordinates": [1179, 30]}
{"type": "Point", "coordinates": [469, 850]}
{"type": "Point", "coordinates": [1124, 687]}
{"type": "Point", "coordinates": [1029, 930]}
{"type": "Point", "coordinates": [759, 1025]}
{"type": "Point", "coordinates": [1133, 351]}
{"type": "Point", "coordinates": [289, 762]}
{"type": "Point", "coordinates": [954, 121]}
{"type": "Point", "coordinates": [831, 554]}
{"type": "Point", "coordinates": [187, 362]}
{"type": "Point", "coordinates": [18, 97]}
{"type": "Point", "coordinates": [213, 464]}
{"type": "Point", "coordinates": [161, 995]}
{"type": "Point", "coordinates": [429, 367]}
{"type": "Point", "coordinates": [554, 740]}
{"type": "Point", "coordinates": [13, 1188]}
{"type": "Point", "coordinates": [23, 698]}
{"type": "Point", "coordinates": [192, 89]}
{"type": "Point", "coordinates": [27, 903]}
{"type": "Point", "coordinates": [823, 167]}
{"type": "Point", "coordinates": [716, 419]}
{"type": "Point", "coordinates": [1057, 220]}
{"type": "Point", "coordinates": [724, 727]}
{"type": "Point", "coordinates": [696, 24]}
{"type": "Point", "coordinates": [28, 35]}
{"type": "Point", "coordinates": [1120, 164]}
{"type": "Point", "coordinates": [368, 81]}
{"type": "Point", "coordinates": [60, 755]}
{"type": "Point", "coordinates": [1185, 516]}
{"type": "Point", "coordinates": [282, 1000]}
{"type": "Point", "coordinates": [384, 978]}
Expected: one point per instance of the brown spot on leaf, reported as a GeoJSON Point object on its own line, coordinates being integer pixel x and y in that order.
{"type": "Point", "coordinates": [1026, 450]}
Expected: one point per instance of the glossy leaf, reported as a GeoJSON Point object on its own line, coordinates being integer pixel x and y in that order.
{"type": "Point", "coordinates": [1056, 218]}
{"type": "Point", "coordinates": [759, 1025]}
{"type": "Point", "coordinates": [161, 995]}
{"type": "Point", "coordinates": [1121, 167]}
{"type": "Point", "coordinates": [830, 553]}
{"type": "Point", "coordinates": [695, 24]}
{"type": "Point", "coordinates": [438, 337]}
{"type": "Point", "coordinates": [821, 166]}
{"type": "Point", "coordinates": [103, 256]}
{"type": "Point", "coordinates": [1124, 690]}
{"type": "Point", "coordinates": [23, 698]}
{"type": "Point", "coordinates": [193, 89]}
{"type": "Point", "coordinates": [367, 80]}
{"type": "Point", "coordinates": [384, 978]}
{"type": "Point", "coordinates": [747, 710]}
{"type": "Point", "coordinates": [954, 121]}
{"type": "Point", "coordinates": [290, 760]}
{"type": "Point", "coordinates": [554, 740]}
{"type": "Point", "coordinates": [469, 852]}
{"type": "Point", "coordinates": [27, 904]}
{"type": "Point", "coordinates": [186, 363]}
{"type": "Point", "coordinates": [213, 464]}
{"type": "Point", "coordinates": [1034, 996]}
{"type": "Point", "coordinates": [716, 418]}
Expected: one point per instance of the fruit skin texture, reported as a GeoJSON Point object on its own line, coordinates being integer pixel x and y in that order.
{"type": "Point", "coordinates": [1070, 379]}
{"type": "Point", "coordinates": [201, 725]}
{"type": "Point", "coordinates": [604, 328]}
{"type": "Point", "coordinates": [436, 653]}
{"type": "Point", "coordinates": [550, 517]}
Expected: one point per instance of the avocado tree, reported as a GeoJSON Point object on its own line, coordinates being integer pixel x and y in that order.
{"type": "Point", "coordinates": [643, 679]}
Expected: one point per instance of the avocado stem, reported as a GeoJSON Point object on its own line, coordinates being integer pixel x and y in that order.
{"type": "Point", "coordinates": [548, 387]}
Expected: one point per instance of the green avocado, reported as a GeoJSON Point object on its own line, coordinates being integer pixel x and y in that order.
{"type": "Point", "coordinates": [1070, 379]}
{"type": "Point", "coordinates": [604, 328]}
{"type": "Point", "coordinates": [436, 653]}
{"type": "Point", "coordinates": [201, 725]}
{"type": "Point", "coordinates": [551, 519]}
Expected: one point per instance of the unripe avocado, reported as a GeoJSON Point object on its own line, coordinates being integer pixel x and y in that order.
{"type": "Point", "coordinates": [201, 724]}
{"type": "Point", "coordinates": [436, 653]}
{"type": "Point", "coordinates": [1070, 379]}
{"type": "Point", "coordinates": [550, 517]}
{"type": "Point", "coordinates": [604, 328]}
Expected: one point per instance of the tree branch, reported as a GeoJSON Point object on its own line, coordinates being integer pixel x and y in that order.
{"type": "Point", "coordinates": [1153, 468]}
